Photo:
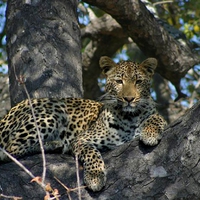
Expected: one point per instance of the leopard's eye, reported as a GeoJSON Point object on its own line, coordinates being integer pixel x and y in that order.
{"type": "Point", "coordinates": [119, 81]}
{"type": "Point", "coordinates": [138, 82]}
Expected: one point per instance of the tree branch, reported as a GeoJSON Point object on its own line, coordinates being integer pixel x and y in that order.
{"type": "Point", "coordinates": [170, 170]}
{"type": "Point", "coordinates": [174, 59]}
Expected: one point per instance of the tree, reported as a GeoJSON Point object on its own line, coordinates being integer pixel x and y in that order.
{"type": "Point", "coordinates": [167, 171]}
{"type": "Point", "coordinates": [37, 35]}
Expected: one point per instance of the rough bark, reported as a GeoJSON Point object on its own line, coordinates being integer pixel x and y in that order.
{"type": "Point", "coordinates": [175, 59]}
{"type": "Point", "coordinates": [168, 171]}
{"type": "Point", "coordinates": [43, 43]}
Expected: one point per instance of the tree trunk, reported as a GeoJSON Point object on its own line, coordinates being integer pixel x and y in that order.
{"type": "Point", "coordinates": [43, 43]}
{"type": "Point", "coordinates": [168, 171]}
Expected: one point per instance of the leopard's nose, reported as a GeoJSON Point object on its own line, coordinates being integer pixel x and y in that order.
{"type": "Point", "coordinates": [129, 99]}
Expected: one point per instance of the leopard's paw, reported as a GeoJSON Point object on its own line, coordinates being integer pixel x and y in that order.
{"type": "Point", "coordinates": [95, 179]}
{"type": "Point", "coordinates": [150, 141]}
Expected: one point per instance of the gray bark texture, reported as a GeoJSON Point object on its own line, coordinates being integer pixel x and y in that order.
{"type": "Point", "coordinates": [38, 32]}
{"type": "Point", "coordinates": [168, 171]}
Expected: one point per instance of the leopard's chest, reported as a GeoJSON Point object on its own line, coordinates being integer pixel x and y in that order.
{"type": "Point", "coordinates": [119, 127]}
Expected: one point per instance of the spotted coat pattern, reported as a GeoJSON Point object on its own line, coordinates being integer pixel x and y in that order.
{"type": "Point", "coordinates": [84, 127]}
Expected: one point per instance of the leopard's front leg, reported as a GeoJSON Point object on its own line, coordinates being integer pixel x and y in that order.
{"type": "Point", "coordinates": [151, 129]}
{"type": "Point", "coordinates": [93, 164]}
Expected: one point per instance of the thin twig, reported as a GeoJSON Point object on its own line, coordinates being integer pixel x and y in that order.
{"type": "Point", "coordinates": [163, 2]}
{"type": "Point", "coordinates": [39, 136]}
{"type": "Point", "coordinates": [69, 189]}
{"type": "Point", "coordinates": [18, 163]}
{"type": "Point", "coordinates": [21, 81]}
{"type": "Point", "coordinates": [25, 169]}
{"type": "Point", "coordinates": [77, 176]}
{"type": "Point", "coordinates": [39, 180]}
{"type": "Point", "coordinates": [10, 197]}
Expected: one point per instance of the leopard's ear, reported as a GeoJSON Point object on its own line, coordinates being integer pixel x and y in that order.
{"type": "Point", "coordinates": [149, 65]}
{"type": "Point", "coordinates": [107, 65]}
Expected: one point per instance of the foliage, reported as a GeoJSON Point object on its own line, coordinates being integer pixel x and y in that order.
{"type": "Point", "coordinates": [184, 15]}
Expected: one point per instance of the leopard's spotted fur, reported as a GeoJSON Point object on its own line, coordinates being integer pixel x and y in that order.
{"type": "Point", "coordinates": [84, 126]}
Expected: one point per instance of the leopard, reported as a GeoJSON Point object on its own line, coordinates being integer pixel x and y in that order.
{"type": "Point", "coordinates": [85, 127]}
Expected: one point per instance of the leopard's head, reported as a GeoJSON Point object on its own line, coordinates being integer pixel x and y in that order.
{"type": "Point", "coordinates": [128, 82]}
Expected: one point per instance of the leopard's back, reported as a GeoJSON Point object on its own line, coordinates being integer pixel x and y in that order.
{"type": "Point", "coordinates": [57, 120]}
